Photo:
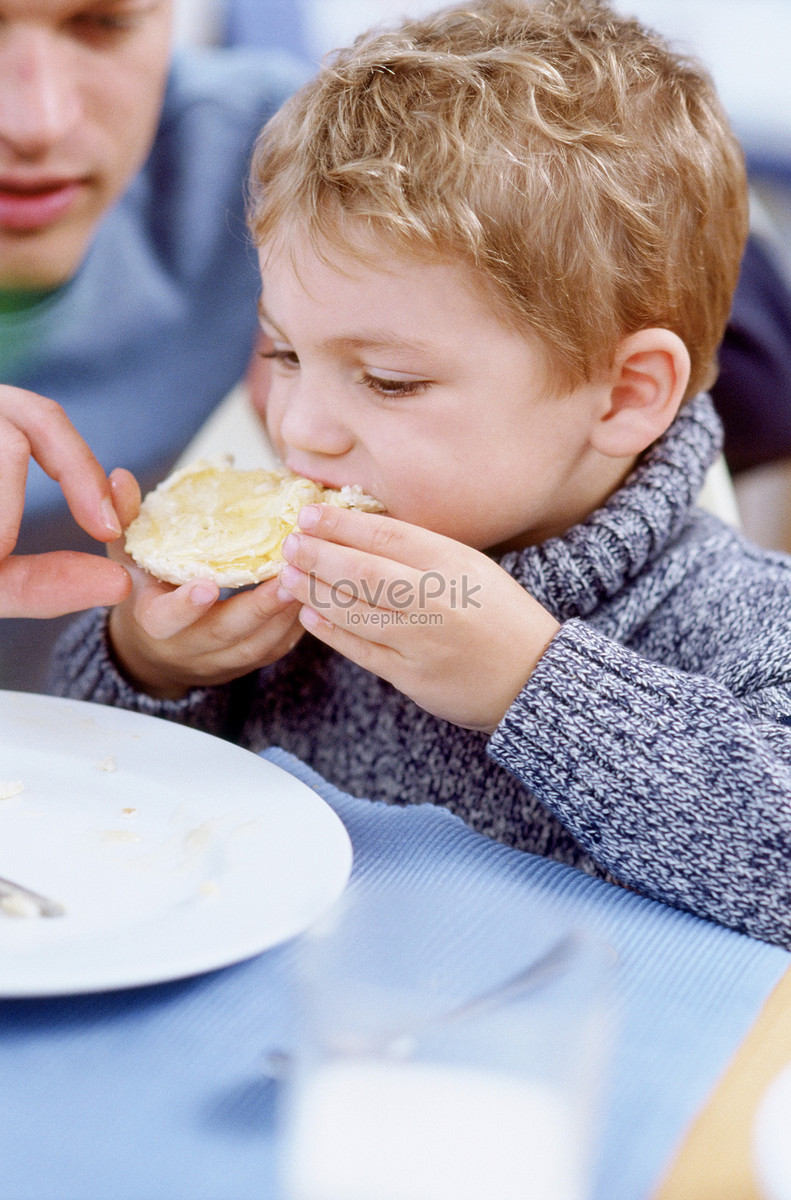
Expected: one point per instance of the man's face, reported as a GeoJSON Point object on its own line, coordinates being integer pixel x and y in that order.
{"type": "Point", "coordinates": [81, 84]}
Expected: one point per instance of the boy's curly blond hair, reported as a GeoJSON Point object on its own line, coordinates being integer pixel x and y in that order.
{"type": "Point", "coordinates": [583, 168]}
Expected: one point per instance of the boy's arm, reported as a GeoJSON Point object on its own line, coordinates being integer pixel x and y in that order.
{"type": "Point", "coordinates": [83, 668]}
{"type": "Point", "coordinates": [673, 784]}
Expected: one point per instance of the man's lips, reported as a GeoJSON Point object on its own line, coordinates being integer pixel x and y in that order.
{"type": "Point", "coordinates": [26, 207]}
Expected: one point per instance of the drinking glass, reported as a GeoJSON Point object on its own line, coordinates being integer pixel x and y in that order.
{"type": "Point", "coordinates": [445, 1052]}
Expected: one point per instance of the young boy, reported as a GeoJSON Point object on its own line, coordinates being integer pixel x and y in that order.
{"type": "Point", "coordinates": [498, 249]}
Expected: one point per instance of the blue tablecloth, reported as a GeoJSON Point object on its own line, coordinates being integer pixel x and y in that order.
{"type": "Point", "coordinates": [162, 1093]}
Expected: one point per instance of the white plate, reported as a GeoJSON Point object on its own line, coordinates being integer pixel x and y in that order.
{"type": "Point", "coordinates": [173, 852]}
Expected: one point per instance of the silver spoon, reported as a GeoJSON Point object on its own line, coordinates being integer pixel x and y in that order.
{"type": "Point", "coordinates": [399, 1043]}
{"type": "Point", "coordinates": [16, 900]}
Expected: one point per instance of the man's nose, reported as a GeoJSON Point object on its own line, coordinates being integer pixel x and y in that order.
{"type": "Point", "coordinates": [39, 90]}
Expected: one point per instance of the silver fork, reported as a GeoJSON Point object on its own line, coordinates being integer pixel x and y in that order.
{"type": "Point", "coordinates": [44, 907]}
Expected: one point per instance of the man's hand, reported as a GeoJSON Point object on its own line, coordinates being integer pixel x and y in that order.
{"type": "Point", "coordinates": [62, 581]}
{"type": "Point", "coordinates": [441, 622]}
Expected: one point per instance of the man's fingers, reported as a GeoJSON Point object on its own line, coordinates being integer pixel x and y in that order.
{"type": "Point", "coordinates": [126, 495]}
{"type": "Point", "coordinates": [64, 455]}
{"type": "Point", "coordinates": [16, 454]}
{"type": "Point", "coordinates": [63, 581]}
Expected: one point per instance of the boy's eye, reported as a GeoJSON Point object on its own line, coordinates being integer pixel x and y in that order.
{"type": "Point", "coordinates": [384, 386]}
{"type": "Point", "coordinates": [286, 358]}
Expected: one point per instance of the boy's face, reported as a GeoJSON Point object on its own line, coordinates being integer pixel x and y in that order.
{"type": "Point", "coordinates": [402, 379]}
{"type": "Point", "coordinates": [81, 85]}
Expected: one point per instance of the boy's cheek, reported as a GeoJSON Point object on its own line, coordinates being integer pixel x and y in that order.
{"type": "Point", "coordinates": [258, 379]}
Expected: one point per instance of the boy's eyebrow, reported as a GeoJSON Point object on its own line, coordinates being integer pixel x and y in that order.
{"type": "Point", "coordinates": [263, 315]}
{"type": "Point", "coordinates": [373, 339]}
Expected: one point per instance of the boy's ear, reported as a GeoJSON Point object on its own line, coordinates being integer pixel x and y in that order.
{"type": "Point", "coordinates": [645, 388]}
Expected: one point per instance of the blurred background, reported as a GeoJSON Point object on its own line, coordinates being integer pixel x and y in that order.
{"type": "Point", "coordinates": [745, 44]}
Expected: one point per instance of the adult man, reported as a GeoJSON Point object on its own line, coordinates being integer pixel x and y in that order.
{"type": "Point", "coordinates": [127, 287]}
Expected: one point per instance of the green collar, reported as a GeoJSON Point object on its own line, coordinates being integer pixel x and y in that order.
{"type": "Point", "coordinates": [18, 300]}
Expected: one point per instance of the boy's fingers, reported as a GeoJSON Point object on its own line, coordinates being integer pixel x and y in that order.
{"type": "Point", "coordinates": [247, 613]}
{"type": "Point", "coordinates": [369, 654]}
{"type": "Point", "coordinates": [382, 536]}
{"type": "Point", "coordinates": [163, 612]}
{"type": "Point", "coordinates": [270, 640]}
{"type": "Point", "coordinates": [343, 609]}
{"type": "Point", "coordinates": [349, 571]}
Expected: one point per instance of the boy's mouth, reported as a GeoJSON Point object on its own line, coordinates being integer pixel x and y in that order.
{"type": "Point", "coordinates": [314, 478]}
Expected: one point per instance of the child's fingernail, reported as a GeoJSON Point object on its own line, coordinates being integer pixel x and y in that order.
{"type": "Point", "coordinates": [290, 545]}
{"type": "Point", "coordinates": [110, 517]}
{"type": "Point", "coordinates": [289, 577]}
{"type": "Point", "coordinates": [309, 617]}
{"type": "Point", "coordinates": [309, 516]}
{"type": "Point", "coordinates": [202, 594]}
{"type": "Point", "coordinates": [283, 596]}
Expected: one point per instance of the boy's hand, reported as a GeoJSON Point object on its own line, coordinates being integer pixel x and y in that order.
{"type": "Point", "coordinates": [440, 621]}
{"type": "Point", "coordinates": [167, 640]}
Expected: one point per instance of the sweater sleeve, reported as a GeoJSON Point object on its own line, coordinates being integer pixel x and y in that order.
{"type": "Point", "coordinates": [83, 669]}
{"type": "Point", "coordinates": [672, 783]}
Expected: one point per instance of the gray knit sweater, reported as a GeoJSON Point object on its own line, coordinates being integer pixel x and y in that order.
{"type": "Point", "coordinates": [652, 744]}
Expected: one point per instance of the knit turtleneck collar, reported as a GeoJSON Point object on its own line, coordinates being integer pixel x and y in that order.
{"type": "Point", "coordinates": [571, 575]}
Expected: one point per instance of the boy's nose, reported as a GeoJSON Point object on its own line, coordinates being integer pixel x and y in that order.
{"type": "Point", "coordinates": [39, 91]}
{"type": "Point", "coordinates": [310, 423]}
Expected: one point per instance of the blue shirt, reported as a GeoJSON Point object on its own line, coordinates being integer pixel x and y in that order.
{"type": "Point", "coordinates": [159, 322]}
